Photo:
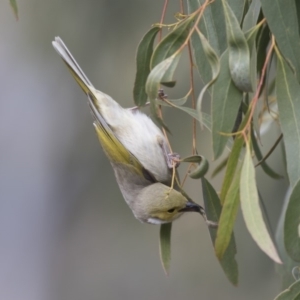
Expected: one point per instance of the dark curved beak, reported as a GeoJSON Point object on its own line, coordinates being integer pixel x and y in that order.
{"type": "Point", "coordinates": [193, 207]}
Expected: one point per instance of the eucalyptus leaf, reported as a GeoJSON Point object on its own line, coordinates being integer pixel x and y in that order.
{"type": "Point", "coordinates": [220, 167]}
{"type": "Point", "coordinates": [202, 65]}
{"type": "Point", "coordinates": [226, 100]}
{"type": "Point", "coordinates": [252, 15]}
{"type": "Point", "coordinates": [285, 270]}
{"type": "Point", "coordinates": [282, 20]}
{"type": "Point", "coordinates": [202, 167]}
{"type": "Point", "coordinates": [213, 210]}
{"type": "Point", "coordinates": [237, 7]}
{"type": "Point", "coordinates": [211, 26]}
{"type": "Point", "coordinates": [288, 100]}
{"type": "Point", "coordinates": [292, 224]}
{"type": "Point", "coordinates": [228, 216]}
{"type": "Point", "coordinates": [251, 210]}
{"type": "Point", "coordinates": [214, 63]}
{"type": "Point", "coordinates": [165, 246]}
{"type": "Point", "coordinates": [143, 57]}
{"type": "Point", "coordinates": [206, 119]}
{"type": "Point", "coordinates": [292, 293]}
{"type": "Point", "coordinates": [239, 54]}
{"type": "Point", "coordinates": [162, 72]}
{"type": "Point", "coordinates": [172, 42]}
{"type": "Point", "coordinates": [231, 166]}
{"type": "Point", "coordinates": [268, 170]}
{"type": "Point", "coordinates": [263, 41]}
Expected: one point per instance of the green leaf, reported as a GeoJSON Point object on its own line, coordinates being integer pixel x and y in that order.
{"type": "Point", "coordinates": [251, 209]}
{"type": "Point", "coordinates": [214, 63]}
{"type": "Point", "coordinates": [226, 100]}
{"type": "Point", "coordinates": [165, 246]}
{"type": "Point", "coordinates": [292, 293]}
{"type": "Point", "coordinates": [292, 224]}
{"type": "Point", "coordinates": [288, 100]}
{"type": "Point", "coordinates": [252, 15]}
{"type": "Point", "coordinates": [228, 216]}
{"type": "Point", "coordinates": [282, 20]}
{"type": "Point", "coordinates": [285, 270]}
{"type": "Point", "coordinates": [202, 65]}
{"type": "Point", "coordinates": [143, 57]}
{"type": "Point", "coordinates": [259, 157]}
{"type": "Point", "coordinates": [237, 7]}
{"type": "Point", "coordinates": [164, 71]}
{"type": "Point", "coordinates": [13, 4]}
{"type": "Point", "coordinates": [213, 28]}
{"type": "Point", "coordinates": [239, 54]}
{"type": "Point", "coordinates": [172, 42]}
{"type": "Point", "coordinates": [206, 119]}
{"type": "Point", "coordinates": [262, 46]}
{"type": "Point", "coordinates": [202, 167]}
{"type": "Point", "coordinates": [174, 102]}
{"type": "Point", "coordinates": [219, 167]}
{"type": "Point", "coordinates": [298, 13]}
{"type": "Point", "coordinates": [233, 160]}
{"type": "Point", "coordinates": [231, 166]}
{"type": "Point", "coordinates": [213, 211]}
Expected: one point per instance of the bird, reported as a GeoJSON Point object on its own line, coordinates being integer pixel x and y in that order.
{"type": "Point", "coordinates": [137, 150]}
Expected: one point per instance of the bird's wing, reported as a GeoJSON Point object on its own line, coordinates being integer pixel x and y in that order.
{"type": "Point", "coordinates": [113, 148]}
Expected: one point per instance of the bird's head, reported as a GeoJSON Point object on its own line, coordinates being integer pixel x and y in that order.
{"type": "Point", "coordinates": [159, 204]}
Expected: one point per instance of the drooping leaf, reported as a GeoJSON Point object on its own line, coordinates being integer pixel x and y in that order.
{"type": "Point", "coordinates": [237, 7]}
{"type": "Point", "coordinates": [239, 54]}
{"type": "Point", "coordinates": [14, 6]}
{"type": "Point", "coordinates": [172, 42]}
{"type": "Point", "coordinates": [251, 210]}
{"type": "Point", "coordinates": [298, 13]}
{"type": "Point", "coordinates": [268, 170]}
{"type": "Point", "coordinates": [221, 166]}
{"type": "Point", "coordinates": [263, 41]}
{"type": "Point", "coordinates": [206, 119]}
{"type": "Point", "coordinates": [214, 63]}
{"type": "Point", "coordinates": [282, 20]}
{"type": "Point", "coordinates": [228, 216]}
{"type": "Point", "coordinates": [174, 102]}
{"type": "Point", "coordinates": [162, 72]}
{"type": "Point", "coordinates": [202, 167]}
{"type": "Point", "coordinates": [202, 65]}
{"type": "Point", "coordinates": [226, 100]}
{"type": "Point", "coordinates": [165, 246]}
{"type": "Point", "coordinates": [285, 270]}
{"type": "Point", "coordinates": [143, 57]}
{"type": "Point", "coordinates": [292, 224]}
{"type": "Point", "coordinates": [288, 100]}
{"type": "Point", "coordinates": [233, 159]}
{"type": "Point", "coordinates": [252, 15]}
{"type": "Point", "coordinates": [213, 28]}
{"type": "Point", "coordinates": [213, 211]}
{"type": "Point", "coordinates": [292, 293]}
{"type": "Point", "coordinates": [231, 166]}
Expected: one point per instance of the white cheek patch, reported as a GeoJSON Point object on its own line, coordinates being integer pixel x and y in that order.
{"type": "Point", "coordinates": [156, 221]}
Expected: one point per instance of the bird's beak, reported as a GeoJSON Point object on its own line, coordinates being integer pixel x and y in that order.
{"type": "Point", "coordinates": [191, 206]}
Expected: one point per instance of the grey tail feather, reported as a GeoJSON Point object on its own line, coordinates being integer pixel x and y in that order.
{"type": "Point", "coordinates": [66, 55]}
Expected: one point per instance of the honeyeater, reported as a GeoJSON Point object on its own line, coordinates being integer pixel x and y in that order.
{"type": "Point", "coordinates": [137, 150]}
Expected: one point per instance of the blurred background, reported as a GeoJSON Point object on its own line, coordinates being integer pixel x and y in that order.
{"type": "Point", "coordinates": [65, 231]}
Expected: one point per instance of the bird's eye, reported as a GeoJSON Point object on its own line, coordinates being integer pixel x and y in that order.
{"type": "Point", "coordinates": [171, 210]}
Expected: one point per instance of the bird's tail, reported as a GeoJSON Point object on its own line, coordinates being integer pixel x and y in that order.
{"type": "Point", "coordinates": [73, 66]}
